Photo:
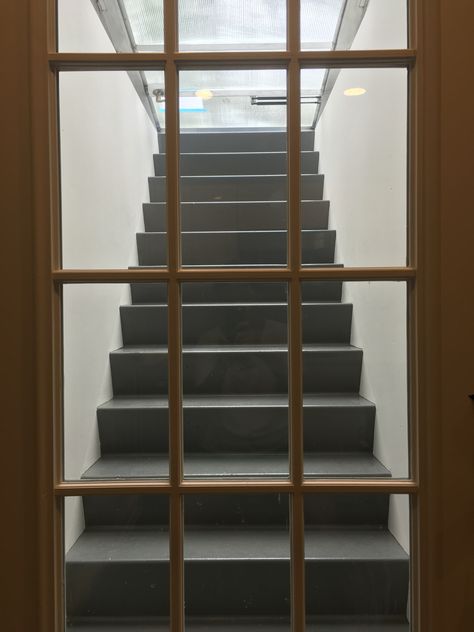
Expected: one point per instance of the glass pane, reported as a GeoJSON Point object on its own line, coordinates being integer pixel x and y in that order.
{"type": "Point", "coordinates": [355, 379]}
{"type": "Point", "coordinates": [117, 563]}
{"type": "Point", "coordinates": [356, 24]}
{"type": "Point", "coordinates": [235, 374]}
{"type": "Point", "coordinates": [113, 185]}
{"type": "Point", "coordinates": [232, 25]}
{"type": "Point", "coordinates": [146, 23]}
{"type": "Point", "coordinates": [237, 566]}
{"type": "Point", "coordinates": [233, 168]}
{"type": "Point", "coordinates": [357, 562]}
{"type": "Point", "coordinates": [115, 381]}
{"type": "Point", "coordinates": [358, 134]}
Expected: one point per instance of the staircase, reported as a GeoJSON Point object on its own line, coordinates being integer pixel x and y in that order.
{"type": "Point", "coordinates": [235, 399]}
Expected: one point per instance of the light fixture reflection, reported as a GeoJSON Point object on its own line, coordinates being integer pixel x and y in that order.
{"type": "Point", "coordinates": [354, 92]}
{"type": "Point", "coordinates": [204, 94]}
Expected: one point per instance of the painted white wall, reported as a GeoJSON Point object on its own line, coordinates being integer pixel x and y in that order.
{"type": "Point", "coordinates": [362, 143]}
{"type": "Point", "coordinates": [107, 146]}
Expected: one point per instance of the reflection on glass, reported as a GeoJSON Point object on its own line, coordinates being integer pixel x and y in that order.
{"type": "Point", "coordinates": [115, 381]}
{"type": "Point", "coordinates": [357, 561]}
{"type": "Point", "coordinates": [356, 385]}
{"type": "Point", "coordinates": [108, 139]}
{"type": "Point", "coordinates": [237, 567]}
{"type": "Point", "coordinates": [117, 562]}
{"type": "Point", "coordinates": [359, 134]}
{"type": "Point", "coordinates": [232, 25]}
{"type": "Point", "coordinates": [235, 379]}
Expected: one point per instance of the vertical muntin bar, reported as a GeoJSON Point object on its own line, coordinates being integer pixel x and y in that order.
{"type": "Point", "coordinates": [295, 361]}
{"type": "Point", "coordinates": [174, 320]}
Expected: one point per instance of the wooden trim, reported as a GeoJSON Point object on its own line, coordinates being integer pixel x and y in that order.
{"type": "Point", "coordinates": [144, 61]}
{"type": "Point", "coordinates": [232, 274]}
{"type": "Point", "coordinates": [258, 486]}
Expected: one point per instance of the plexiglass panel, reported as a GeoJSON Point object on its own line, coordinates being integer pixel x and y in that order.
{"type": "Point", "coordinates": [117, 563]}
{"type": "Point", "coordinates": [357, 214]}
{"type": "Point", "coordinates": [235, 380]}
{"type": "Point", "coordinates": [355, 379]}
{"type": "Point", "coordinates": [237, 563]}
{"type": "Point", "coordinates": [115, 381]}
{"type": "Point", "coordinates": [353, 24]}
{"type": "Point", "coordinates": [113, 185]}
{"type": "Point", "coordinates": [357, 562]}
{"type": "Point", "coordinates": [232, 25]}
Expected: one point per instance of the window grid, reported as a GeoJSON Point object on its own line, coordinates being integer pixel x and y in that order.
{"type": "Point", "coordinates": [172, 61]}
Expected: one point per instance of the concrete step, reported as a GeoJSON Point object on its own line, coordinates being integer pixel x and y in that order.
{"type": "Point", "coordinates": [237, 163]}
{"type": "Point", "coordinates": [236, 188]}
{"type": "Point", "coordinates": [236, 465]}
{"type": "Point", "coordinates": [233, 323]}
{"type": "Point", "coordinates": [242, 140]}
{"type": "Point", "coordinates": [321, 510]}
{"type": "Point", "coordinates": [222, 292]}
{"type": "Point", "coordinates": [236, 369]}
{"type": "Point", "coordinates": [233, 248]}
{"type": "Point", "coordinates": [236, 215]}
{"type": "Point", "coordinates": [335, 422]}
{"type": "Point", "coordinates": [126, 572]}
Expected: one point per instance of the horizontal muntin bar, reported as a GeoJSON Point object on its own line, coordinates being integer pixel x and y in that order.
{"type": "Point", "coordinates": [143, 61]}
{"type": "Point", "coordinates": [233, 274]}
{"type": "Point", "coordinates": [103, 488]}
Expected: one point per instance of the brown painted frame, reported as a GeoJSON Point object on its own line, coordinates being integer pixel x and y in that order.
{"type": "Point", "coordinates": [441, 563]}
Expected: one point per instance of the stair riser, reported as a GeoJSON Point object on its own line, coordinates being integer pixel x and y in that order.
{"type": "Point", "coordinates": [211, 142]}
{"type": "Point", "coordinates": [225, 372]}
{"type": "Point", "coordinates": [237, 164]}
{"type": "Point", "coordinates": [237, 510]}
{"type": "Point", "coordinates": [237, 216]}
{"type": "Point", "coordinates": [215, 249]}
{"type": "Point", "coordinates": [117, 589]}
{"type": "Point", "coordinates": [221, 324]}
{"type": "Point", "coordinates": [348, 587]}
{"type": "Point", "coordinates": [210, 292]}
{"type": "Point", "coordinates": [236, 430]}
{"type": "Point", "coordinates": [226, 588]}
{"type": "Point", "coordinates": [236, 188]}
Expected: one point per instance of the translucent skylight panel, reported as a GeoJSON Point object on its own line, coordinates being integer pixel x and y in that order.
{"type": "Point", "coordinates": [319, 23]}
{"type": "Point", "coordinates": [232, 25]}
{"type": "Point", "coordinates": [231, 92]}
{"type": "Point", "coordinates": [146, 21]}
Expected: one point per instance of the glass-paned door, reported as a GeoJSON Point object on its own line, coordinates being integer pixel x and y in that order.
{"type": "Point", "coordinates": [235, 296]}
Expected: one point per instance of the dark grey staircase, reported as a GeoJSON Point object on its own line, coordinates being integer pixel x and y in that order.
{"type": "Point", "coordinates": [235, 415]}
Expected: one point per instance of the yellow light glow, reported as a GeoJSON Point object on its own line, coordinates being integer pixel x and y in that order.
{"type": "Point", "coordinates": [354, 92]}
{"type": "Point", "coordinates": [204, 94]}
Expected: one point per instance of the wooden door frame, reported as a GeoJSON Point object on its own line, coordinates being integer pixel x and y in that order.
{"type": "Point", "coordinates": [446, 491]}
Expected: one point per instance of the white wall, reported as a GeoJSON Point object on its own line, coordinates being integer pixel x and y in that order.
{"type": "Point", "coordinates": [362, 143]}
{"type": "Point", "coordinates": [107, 146]}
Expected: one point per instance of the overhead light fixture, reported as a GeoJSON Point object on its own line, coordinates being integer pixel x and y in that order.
{"type": "Point", "coordinates": [204, 94]}
{"type": "Point", "coordinates": [354, 92]}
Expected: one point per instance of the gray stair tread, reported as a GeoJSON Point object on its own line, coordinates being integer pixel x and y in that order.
{"type": "Point", "coordinates": [242, 624]}
{"type": "Point", "coordinates": [374, 625]}
{"type": "Point", "coordinates": [238, 465]}
{"type": "Point", "coordinates": [124, 545]}
{"type": "Point", "coordinates": [273, 348]}
{"type": "Point", "coordinates": [352, 544]}
{"type": "Point", "coordinates": [230, 543]}
{"type": "Point", "coordinates": [240, 231]}
{"type": "Point", "coordinates": [323, 400]}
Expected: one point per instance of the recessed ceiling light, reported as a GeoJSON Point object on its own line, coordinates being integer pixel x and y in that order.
{"type": "Point", "coordinates": [204, 94]}
{"type": "Point", "coordinates": [354, 92]}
